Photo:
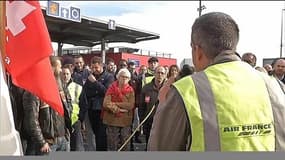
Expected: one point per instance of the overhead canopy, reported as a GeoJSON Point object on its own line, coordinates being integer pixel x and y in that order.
{"type": "Point", "coordinates": [91, 32]}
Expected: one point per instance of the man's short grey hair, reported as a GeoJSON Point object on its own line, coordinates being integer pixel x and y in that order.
{"type": "Point", "coordinates": [125, 72]}
{"type": "Point", "coordinates": [215, 32]}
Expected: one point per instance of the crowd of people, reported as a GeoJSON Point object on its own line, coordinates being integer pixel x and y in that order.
{"type": "Point", "coordinates": [223, 104]}
{"type": "Point", "coordinates": [102, 104]}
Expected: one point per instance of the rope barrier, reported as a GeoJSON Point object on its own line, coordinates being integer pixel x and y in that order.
{"type": "Point", "coordinates": [137, 129]}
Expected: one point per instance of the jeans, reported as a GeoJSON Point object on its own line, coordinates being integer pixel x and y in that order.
{"type": "Point", "coordinates": [76, 139]}
{"type": "Point", "coordinates": [90, 137]}
{"type": "Point", "coordinates": [99, 129]}
{"type": "Point", "coordinates": [60, 144]}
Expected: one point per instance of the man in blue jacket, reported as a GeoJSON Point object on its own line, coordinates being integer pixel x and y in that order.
{"type": "Point", "coordinates": [91, 99]}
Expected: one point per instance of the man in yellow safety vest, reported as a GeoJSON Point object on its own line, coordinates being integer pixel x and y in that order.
{"type": "Point", "coordinates": [149, 75]}
{"type": "Point", "coordinates": [227, 105]}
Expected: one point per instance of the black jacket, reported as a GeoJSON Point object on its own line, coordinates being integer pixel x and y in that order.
{"type": "Point", "coordinates": [31, 123]}
{"type": "Point", "coordinates": [16, 96]}
{"type": "Point", "coordinates": [148, 99]}
{"type": "Point", "coordinates": [41, 123]}
{"type": "Point", "coordinates": [80, 76]}
{"type": "Point", "coordinates": [93, 93]}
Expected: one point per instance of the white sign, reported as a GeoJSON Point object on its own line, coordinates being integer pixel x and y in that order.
{"type": "Point", "coordinates": [54, 9]}
{"type": "Point", "coordinates": [112, 25]}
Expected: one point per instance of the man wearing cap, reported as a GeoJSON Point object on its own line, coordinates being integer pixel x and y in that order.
{"type": "Point", "coordinates": [149, 75]}
{"type": "Point", "coordinates": [68, 61]}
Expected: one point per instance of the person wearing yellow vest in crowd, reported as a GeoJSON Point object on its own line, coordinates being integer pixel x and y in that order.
{"type": "Point", "coordinates": [226, 105]}
{"type": "Point", "coordinates": [149, 75]}
{"type": "Point", "coordinates": [76, 138]}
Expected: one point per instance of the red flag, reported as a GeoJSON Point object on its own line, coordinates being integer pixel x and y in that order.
{"type": "Point", "coordinates": [28, 48]}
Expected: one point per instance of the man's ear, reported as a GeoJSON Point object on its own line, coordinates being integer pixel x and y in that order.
{"type": "Point", "coordinates": [202, 60]}
{"type": "Point", "coordinates": [200, 53]}
{"type": "Point", "coordinates": [201, 56]}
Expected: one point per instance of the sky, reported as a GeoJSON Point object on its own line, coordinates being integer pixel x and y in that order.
{"type": "Point", "coordinates": [259, 23]}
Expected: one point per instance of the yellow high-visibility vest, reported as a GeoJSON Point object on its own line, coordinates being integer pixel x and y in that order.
{"type": "Point", "coordinates": [228, 112]}
{"type": "Point", "coordinates": [74, 90]}
{"type": "Point", "coordinates": [148, 79]}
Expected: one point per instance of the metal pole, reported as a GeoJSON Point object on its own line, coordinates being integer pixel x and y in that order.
{"type": "Point", "coordinates": [200, 7]}
{"type": "Point", "coordinates": [59, 48]}
{"type": "Point", "coordinates": [103, 49]}
{"type": "Point", "coordinates": [281, 42]}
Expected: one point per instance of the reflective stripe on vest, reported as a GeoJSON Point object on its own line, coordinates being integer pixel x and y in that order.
{"type": "Point", "coordinates": [223, 90]}
{"type": "Point", "coordinates": [74, 90]}
{"type": "Point", "coordinates": [208, 109]}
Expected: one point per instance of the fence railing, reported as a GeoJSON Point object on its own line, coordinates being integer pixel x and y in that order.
{"type": "Point", "coordinates": [88, 50]}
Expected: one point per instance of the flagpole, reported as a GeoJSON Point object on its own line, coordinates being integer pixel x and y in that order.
{"type": "Point", "coordinates": [2, 36]}
{"type": "Point", "coordinates": [2, 28]}
{"type": "Point", "coordinates": [2, 39]}
{"type": "Point", "coordinates": [9, 136]}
